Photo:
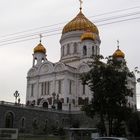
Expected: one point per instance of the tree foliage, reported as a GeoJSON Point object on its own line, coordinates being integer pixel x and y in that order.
{"type": "Point", "coordinates": [108, 83]}
{"type": "Point", "coordinates": [134, 124]}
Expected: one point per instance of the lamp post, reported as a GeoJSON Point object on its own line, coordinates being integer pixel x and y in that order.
{"type": "Point", "coordinates": [16, 95]}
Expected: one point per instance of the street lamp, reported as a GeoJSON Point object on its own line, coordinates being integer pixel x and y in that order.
{"type": "Point", "coordinates": [16, 95]}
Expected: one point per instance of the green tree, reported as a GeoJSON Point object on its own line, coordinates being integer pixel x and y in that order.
{"type": "Point", "coordinates": [108, 83]}
{"type": "Point", "coordinates": [134, 124]}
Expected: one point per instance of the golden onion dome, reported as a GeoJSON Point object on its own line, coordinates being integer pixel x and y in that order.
{"type": "Point", "coordinates": [40, 48]}
{"type": "Point", "coordinates": [88, 35]}
{"type": "Point", "coordinates": [118, 53]}
{"type": "Point", "coordinates": [80, 22]}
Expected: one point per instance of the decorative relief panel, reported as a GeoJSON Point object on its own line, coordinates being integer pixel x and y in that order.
{"type": "Point", "coordinates": [32, 72]}
{"type": "Point", "coordinates": [83, 68]}
{"type": "Point", "coordinates": [46, 68]}
{"type": "Point", "coordinates": [59, 67]}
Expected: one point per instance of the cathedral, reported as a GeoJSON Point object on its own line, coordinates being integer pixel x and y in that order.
{"type": "Point", "coordinates": [57, 85]}
{"type": "Point", "coordinates": [55, 93]}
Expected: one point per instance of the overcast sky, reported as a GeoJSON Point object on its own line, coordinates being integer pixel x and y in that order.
{"type": "Point", "coordinates": [24, 15]}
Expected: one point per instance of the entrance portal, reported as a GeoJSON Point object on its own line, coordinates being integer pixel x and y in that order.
{"type": "Point", "coordinates": [9, 119]}
{"type": "Point", "coordinates": [45, 105]}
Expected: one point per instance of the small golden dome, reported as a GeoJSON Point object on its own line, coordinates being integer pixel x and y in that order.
{"type": "Point", "coordinates": [80, 22]}
{"type": "Point", "coordinates": [40, 48]}
{"type": "Point", "coordinates": [88, 35]}
{"type": "Point", "coordinates": [118, 53]}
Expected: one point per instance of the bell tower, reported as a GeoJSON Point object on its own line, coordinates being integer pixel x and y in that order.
{"type": "Point", "coordinates": [39, 55]}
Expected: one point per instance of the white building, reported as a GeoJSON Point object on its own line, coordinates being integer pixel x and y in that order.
{"type": "Point", "coordinates": [50, 83]}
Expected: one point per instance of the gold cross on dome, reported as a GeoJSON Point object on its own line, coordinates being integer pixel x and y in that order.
{"type": "Point", "coordinates": [40, 37]}
{"type": "Point", "coordinates": [81, 2]}
{"type": "Point", "coordinates": [118, 43]}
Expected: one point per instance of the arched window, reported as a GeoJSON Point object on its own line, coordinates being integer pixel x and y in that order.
{"type": "Point", "coordinates": [68, 49]}
{"type": "Point", "coordinates": [32, 90]}
{"type": "Point", "coordinates": [42, 60]}
{"type": "Point", "coordinates": [62, 49]}
{"type": "Point", "coordinates": [42, 87]}
{"type": "Point", "coordinates": [92, 50]}
{"type": "Point", "coordinates": [9, 120]}
{"type": "Point", "coordinates": [96, 50]}
{"type": "Point", "coordinates": [75, 48]}
{"type": "Point", "coordinates": [70, 86]}
{"type": "Point", "coordinates": [23, 123]}
{"type": "Point", "coordinates": [67, 100]}
{"type": "Point", "coordinates": [84, 89]}
{"type": "Point", "coordinates": [85, 50]}
{"type": "Point", "coordinates": [35, 61]}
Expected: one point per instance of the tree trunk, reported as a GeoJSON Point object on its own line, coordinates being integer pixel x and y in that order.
{"type": "Point", "coordinates": [110, 126]}
{"type": "Point", "coordinates": [103, 131]}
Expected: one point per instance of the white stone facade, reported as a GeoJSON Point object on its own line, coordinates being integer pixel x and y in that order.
{"type": "Point", "coordinates": [49, 83]}
{"type": "Point", "coordinates": [46, 79]}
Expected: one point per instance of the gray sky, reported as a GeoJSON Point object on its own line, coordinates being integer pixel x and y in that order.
{"type": "Point", "coordinates": [21, 15]}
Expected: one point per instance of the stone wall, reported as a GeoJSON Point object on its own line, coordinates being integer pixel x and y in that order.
{"type": "Point", "coordinates": [27, 118]}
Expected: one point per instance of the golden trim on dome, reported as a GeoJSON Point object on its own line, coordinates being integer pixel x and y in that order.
{"type": "Point", "coordinates": [88, 35]}
{"type": "Point", "coordinates": [40, 48]}
{"type": "Point", "coordinates": [80, 22]}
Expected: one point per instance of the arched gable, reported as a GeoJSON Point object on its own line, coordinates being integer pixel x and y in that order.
{"type": "Point", "coordinates": [46, 67]}
{"type": "Point", "coordinates": [43, 101]}
{"type": "Point", "coordinates": [32, 72]}
{"type": "Point", "coordinates": [9, 119]}
{"type": "Point", "coordinates": [83, 68]}
{"type": "Point", "coordinates": [59, 67]}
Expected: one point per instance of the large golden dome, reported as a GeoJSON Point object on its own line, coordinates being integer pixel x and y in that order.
{"type": "Point", "coordinates": [80, 22]}
{"type": "Point", "coordinates": [88, 35]}
{"type": "Point", "coordinates": [118, 53]}
{"type": "Point", "coordinates": [40, 48]}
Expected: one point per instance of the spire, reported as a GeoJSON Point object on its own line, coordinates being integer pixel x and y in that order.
{"type": "Point", "coordinates": [80, 4]}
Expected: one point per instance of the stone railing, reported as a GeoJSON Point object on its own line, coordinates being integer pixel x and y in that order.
{"type": "Point", "coordinates": [7, 103]}
{"type": "Point", "coordinates": [37, 107]}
